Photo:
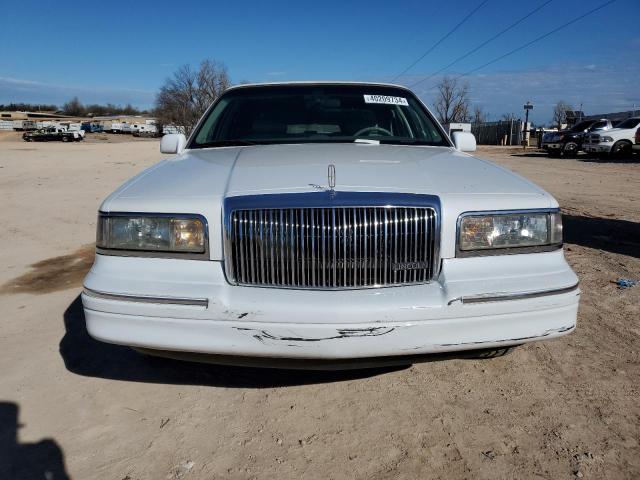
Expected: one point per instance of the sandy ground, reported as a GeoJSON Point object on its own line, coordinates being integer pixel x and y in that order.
{"type": "Point", "coordinates": [567, 408]}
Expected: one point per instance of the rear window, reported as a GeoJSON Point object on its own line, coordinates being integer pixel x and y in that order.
{"type": "Point", "coordinates": [629, 123]}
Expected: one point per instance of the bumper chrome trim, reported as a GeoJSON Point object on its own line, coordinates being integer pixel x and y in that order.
{"type": "Point", "coordinates": [501, 297]}
{"type": "Point", "coordinates": [196, 302]}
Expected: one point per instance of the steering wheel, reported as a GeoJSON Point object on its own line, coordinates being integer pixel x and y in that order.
{"type": "Point", "coordinates": [384, 131]}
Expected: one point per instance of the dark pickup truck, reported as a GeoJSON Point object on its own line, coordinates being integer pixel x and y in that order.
{"type": "Point", "coordinates": [51, 134]}
{"type": "Point", "coordinates": [569, 142]}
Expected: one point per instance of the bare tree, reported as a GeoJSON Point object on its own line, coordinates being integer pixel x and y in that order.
{"type": "Point", "coordinates": [509, 117]}
{"type": "Point", "coordinates": [452, 101]}
{"type": "Point", "coordinates": [73, 107]}
{"type": "Point", "coordinates": [184, 97]}
{"type": "Point", "coordinates": [560, 113]}
{"type": "Point", "coordinates": [479, 115]}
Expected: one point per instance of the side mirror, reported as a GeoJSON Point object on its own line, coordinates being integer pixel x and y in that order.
{"type": "Point", "coordinates": [173, 143]}
{"type": "Point", "coordinates": [464, 141]}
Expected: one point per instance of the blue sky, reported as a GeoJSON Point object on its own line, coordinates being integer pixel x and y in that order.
{"type": "Point", "coordinates": [122, 52]}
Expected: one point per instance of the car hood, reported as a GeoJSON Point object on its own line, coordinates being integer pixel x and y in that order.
{"type": "Point", "coordinates": [199, 180]}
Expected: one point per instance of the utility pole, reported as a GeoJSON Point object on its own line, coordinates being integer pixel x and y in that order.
{"type": "Point", "coordinates": [527, 106]}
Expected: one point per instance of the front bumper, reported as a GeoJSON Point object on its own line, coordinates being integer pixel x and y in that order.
{"type": "Point", "coordinates": [553, 146]}
{"type": "Point", "coordinates": [522, 298]}
{"type": "Point", "coordinates": [597, 148]}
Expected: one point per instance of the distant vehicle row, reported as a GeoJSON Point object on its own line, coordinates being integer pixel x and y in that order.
{"type": "Point", "coordinates": [76, 132]}
{"type": "Point", "coordinates": [144, 128]}
{"type": "Point", "coordinates": [595, 137]}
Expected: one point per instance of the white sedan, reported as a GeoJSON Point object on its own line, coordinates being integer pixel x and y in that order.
{"type": "Point", "coordinates": [322, 224]}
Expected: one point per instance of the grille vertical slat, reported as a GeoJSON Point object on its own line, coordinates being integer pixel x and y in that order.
{"type": "Point", "coordinates": [405, 242]}
{"type": "Point", "coordinates": [385, 253]}
{"type": "Point", "coordinates": [342, 247]}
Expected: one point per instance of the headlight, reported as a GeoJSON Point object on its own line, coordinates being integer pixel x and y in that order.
{"type": "Point", "coordinates": [509, 230]}
{"type": "Point", "coordinates": [606, 139]}
{"type": "Point", "coordinates": [152, 233]}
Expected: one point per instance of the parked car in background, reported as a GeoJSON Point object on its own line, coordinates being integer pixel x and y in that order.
{"type": "Point", "coordinates": [91, 127]}
{"type": "Point", "coordinates": [52, 134]}
{"type": "Point", "coordinates": [569, 142]}
{"type": "Point", "coordinates": [616, 142]}
{"type": "Point", "coordinates": [636, 145]}
{"type": "Point", "coordinates": [327, 222]}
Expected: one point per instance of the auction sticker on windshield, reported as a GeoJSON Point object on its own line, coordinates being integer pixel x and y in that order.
{"type": "Point", "coordinates": [386, 99]}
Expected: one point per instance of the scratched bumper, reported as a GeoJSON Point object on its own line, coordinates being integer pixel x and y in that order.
{"type": "Point", "coordinates": [302, 324]}
{"type": "Point", "coordinates": [597, 148]}
{"type": "Point", "coordinates": [322, 341]}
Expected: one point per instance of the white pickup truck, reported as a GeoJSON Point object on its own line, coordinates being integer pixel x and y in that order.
{"type": "Point", "coordinates": [615, 142]}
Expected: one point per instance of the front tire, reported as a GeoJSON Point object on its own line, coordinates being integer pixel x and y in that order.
{"type": "Point", "coordinates": [621, 148]}
{"type": "Point", "coordinates": [570, 149]}
{"type": "Point", "coordinates": [65, 139]}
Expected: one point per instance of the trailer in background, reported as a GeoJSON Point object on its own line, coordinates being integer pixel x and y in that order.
{"type": "Point", "coordinates": [144, 130]}
{"type": "Point", "coordinates": [167, 129]}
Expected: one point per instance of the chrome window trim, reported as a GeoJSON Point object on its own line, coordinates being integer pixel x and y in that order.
{"type": "Point", "coordinates": [549, 247]}
{"type": "Point", "coordinates": [156, 253]}
{"type": "Point", "coordinates": [121, 297]}
{"type": "Point", "coordinates": [329, 199]}
{"type": "Point", "coordinates": [501, 297]}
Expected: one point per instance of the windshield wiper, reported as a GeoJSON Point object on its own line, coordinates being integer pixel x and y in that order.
{"type": "Point", "coordinates": [408, 142]}
{"type": "Point", "coordinates": [368, 141]}
{"type": "Point", "coordinates": [226, 143]}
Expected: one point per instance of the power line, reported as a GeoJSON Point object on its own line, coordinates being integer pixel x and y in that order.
{"type": "Point", "coordinates": [470, 52]}
{"type": "Point", "coordinates": [433, 47]}
{"type": "Point", "coordinates": [535, 40]}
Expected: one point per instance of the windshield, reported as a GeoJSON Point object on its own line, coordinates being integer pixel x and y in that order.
{"type": "Point", "coordinates": [317, 114]}
{"type": "Point", "coordinates": [629, 123]}
{"type": "Point", "coordinates": [582, 126]}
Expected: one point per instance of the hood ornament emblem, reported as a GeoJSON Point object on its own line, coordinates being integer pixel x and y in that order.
{"type": "Point", "coordinates": [331, 181]}
{"type": "Point", "coordinates": [331, 177]}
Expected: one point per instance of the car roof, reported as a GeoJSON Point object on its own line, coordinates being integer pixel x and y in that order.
{"type": "Point", "coordinates": [319, 83]}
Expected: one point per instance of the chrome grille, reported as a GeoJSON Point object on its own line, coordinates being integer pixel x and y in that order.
{"type": "Point", "coordinates": [331, 247]}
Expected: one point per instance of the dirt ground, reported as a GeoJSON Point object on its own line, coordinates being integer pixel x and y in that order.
{"type": "Point", "coordinates": [81, 409]}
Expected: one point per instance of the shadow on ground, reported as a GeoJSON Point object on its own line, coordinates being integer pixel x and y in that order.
{"type": "Point", "coordinates": [26, 461]}
{"type": "Point", "coordinates": [631, 158]}
{"type": "Point", "coordinates": [88, 357]}
{"type": "Point", "coordinates": [581, 157]}
{"type": "Point", "coordinates": [609, 234]}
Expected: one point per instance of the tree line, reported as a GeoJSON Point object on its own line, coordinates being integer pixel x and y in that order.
{"type": "Point", "coordinates": [75, 108]}
{"type": "Point", "coordinates": [28, 107]}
